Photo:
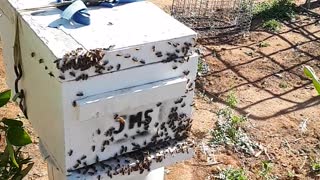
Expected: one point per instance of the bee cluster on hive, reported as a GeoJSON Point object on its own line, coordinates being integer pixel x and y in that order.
{"type": "Point", "coordinates": [119, 102]}
{"type": "Point", "coordinates": [75, 64]}
{"type": "Point", "coordinates": [172, 131]}
{"type": "Point", "coordinates": [140, 161]}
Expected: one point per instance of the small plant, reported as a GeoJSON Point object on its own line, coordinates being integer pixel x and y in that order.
{"type": "Point", "coordinates": [291, 174]}
{"type": "Point", "coordinates": [309, 72]}
{"type": "Point", "coordinates": [233, 174]}
{"type": "Point", "coordinates": [232, 100]}
{"type": "Point", "coordinates": [203, 67]}
{"type": "Point", "coordinates": [274, 11]}
{"type": "Point", "coordinates": [263, 44]}
{"type": "Point", "coordinates": [315, 167]}
{"type": "Point", "coordinates": [283, 85]}
{"type": "Point", "coordinates": [266, 168]}
{"type": "Point", "coordinates": [272, 25]}
{"type": "Point", "coordinates": [13, 166]}
{"type": "Point", "coordinates": [228, 130]}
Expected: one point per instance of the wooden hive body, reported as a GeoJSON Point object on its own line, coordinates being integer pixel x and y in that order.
{"type": "Point", "coordinates": [145, 75]}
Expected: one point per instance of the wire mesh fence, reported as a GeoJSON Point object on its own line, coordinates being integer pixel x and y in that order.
{"type": "Point", "coordinates": [214, 18]}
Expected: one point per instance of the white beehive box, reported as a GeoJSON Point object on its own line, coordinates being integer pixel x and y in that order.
{"type": "Point", "coordinates": [133, 61]}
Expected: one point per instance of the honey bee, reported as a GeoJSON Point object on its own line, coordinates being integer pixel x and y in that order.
{"type": "Point", "coordinates": [105, 62]}
{"type": "Point", "coordinates": [79, 78]}
{"type": "Point", "coordinates": [102, 148]}
{"type": "Point", "coordinates": [70, 152]}
{"type": "Point", "coordinates": [51, 74]}
{"type": "Point", "coordinates": [83, 157]}
{"type": "Point", "coordinates": [80, 94]}
{"type": "Point", "coordinates": [76, 165]}
{"type": "Point", "coordinates": [72, 73]}
{"type": "Point", "coordinates": [143, 62]}
{"type": "Point", "coordinates": [62, 77]}
{"type": "Point", "coordinates": [109, 48]}
{"type": "Point", "coordinates": [110, 68]}
{"type": "Point", "coordinates": [55, 61]}
{"type": "Point", "coordinates": [156, 124]}
{"type": "Point", "coordinates": [105, 142]}
{"type": "Point", "coordinates": [178, 101]}
{"type": "Point", "coordinates": [121, 120]}
{"type": "Point", "coordinates": [159, 54]}
{"type": "Point", "coordinates": [118, 67]}
{"type": "Point", "coordinates": [186, 73]}
{"type": "Point", "coordinates": [135, 59]}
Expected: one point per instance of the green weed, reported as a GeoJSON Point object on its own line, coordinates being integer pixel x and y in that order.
{"type": "Point", "coordinates": [232, 100]}
{"type": "Point", "coordinates": [274, 11]}
{"type": "Point", "coordinates": [315, 167]}
{"type": "Point", "coordinates": [266, 168]}
{"type": "Point", "coordinates": [263, 44]}
{"type": "Point", "coordinates": [272, 25]}
{"type": "Point", "coordinates": [283, 85]}
{"type": "Point", "coordinates": [233, 174]}
{"type": "Point", "coordinates": [228, 130]}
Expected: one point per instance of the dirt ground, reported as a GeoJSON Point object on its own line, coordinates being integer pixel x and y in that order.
{"type": "Point", "coordinates": [270, 87]}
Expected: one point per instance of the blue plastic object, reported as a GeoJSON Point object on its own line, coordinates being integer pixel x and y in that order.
{"type": "Point", "coordinates": [78, 12]}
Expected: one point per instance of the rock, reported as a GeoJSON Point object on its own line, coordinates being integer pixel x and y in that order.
{"type": "Point", "coordinates": [278, 75]}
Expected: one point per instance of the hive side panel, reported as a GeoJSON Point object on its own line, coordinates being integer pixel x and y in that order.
{"type": "Point", "coordinates": [43, 92]}
{"type": "Point", "coordinates": [7, 34]}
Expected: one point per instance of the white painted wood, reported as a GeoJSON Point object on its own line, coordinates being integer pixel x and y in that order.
{"type": "Point", "coordinates": [157, 174]}
{"type": "Point", "coordinates": [7, 32]}
{"type": "Point", "coordinates": [137, 27]}
{"type": "Point", "coordinates": [80, 135]}
{"type": "Point", "coordinates": [97, 106]}
{"type": "Point", "coordinates": [115, 167]}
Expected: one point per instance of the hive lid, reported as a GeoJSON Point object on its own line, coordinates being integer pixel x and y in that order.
{"type": "Point", "coordinates": [124, 27]}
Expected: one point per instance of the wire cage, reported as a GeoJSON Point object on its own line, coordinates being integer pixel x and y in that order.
{"type": "Point", "coordinates": [214, 18]}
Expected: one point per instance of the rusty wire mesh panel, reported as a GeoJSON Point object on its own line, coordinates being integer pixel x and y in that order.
{"type": "Point", "coordinates": [214, 18]}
